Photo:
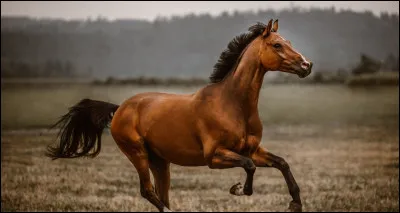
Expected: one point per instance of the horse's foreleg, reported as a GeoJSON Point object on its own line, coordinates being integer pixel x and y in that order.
{"type": "Point", "coordinates": [223, 159]}
{"type": "Point", "coordinates": [262, 158]}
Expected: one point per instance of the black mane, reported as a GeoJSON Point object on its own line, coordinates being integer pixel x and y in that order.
{"type": "Point", "coordinates": [229, 56]}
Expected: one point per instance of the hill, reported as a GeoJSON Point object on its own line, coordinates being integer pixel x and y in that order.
{"type": "Point", "coordinates": [187, 46]}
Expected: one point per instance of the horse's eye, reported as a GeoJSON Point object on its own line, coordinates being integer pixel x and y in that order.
{"type": "Point", "coordinates": [277, 45]}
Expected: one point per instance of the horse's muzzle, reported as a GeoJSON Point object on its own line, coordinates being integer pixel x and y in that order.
{"type": "Point", "coordinates": [305, 70]}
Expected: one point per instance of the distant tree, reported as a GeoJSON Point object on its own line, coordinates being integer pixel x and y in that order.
{"type": "Point", "coordinates": [225, 15]}
{"type": "Point", "coordinates": [341, 72]}
{"type": "Point", "coordinates": [69, 69]}
{"type": "Point", "coordinates": [25, 70]}
{"type": "Point", "coordinates": [385, 16]}
{"type": "Point", "coordinates": [6, 68]}
{"type": "Point", "coordinates": [390, 63]}
{"type": "Point", "coordinates": [317, 77]}
{"type": "Point", "coordinates": [341, 75]}
{"type": "Point", "coordinates": [366, 65]}
{"type": "Point", "coordinates": [48, 69]}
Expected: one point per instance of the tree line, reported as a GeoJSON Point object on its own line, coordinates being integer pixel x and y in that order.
{"type": "Point", "coordinates": [186, 46]}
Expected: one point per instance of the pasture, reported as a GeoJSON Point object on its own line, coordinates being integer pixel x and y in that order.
{"type": "Point", "coordinates": [342, 145]}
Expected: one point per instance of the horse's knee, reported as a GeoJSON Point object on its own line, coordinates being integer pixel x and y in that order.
{"type": "Point", "coordinates": [249, 165]}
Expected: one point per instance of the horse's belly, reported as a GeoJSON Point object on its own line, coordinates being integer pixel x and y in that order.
{"type": "Point", "coordinates": [178, 151]}
{"type": "Point", "coordinates": [176, 142]}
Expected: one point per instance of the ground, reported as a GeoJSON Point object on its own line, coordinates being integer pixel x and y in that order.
{"type": "Point", "coordinates": [338, 168]}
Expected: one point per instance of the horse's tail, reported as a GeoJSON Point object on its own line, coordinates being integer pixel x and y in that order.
{"type": "Point", "coordinates": [81, 129]}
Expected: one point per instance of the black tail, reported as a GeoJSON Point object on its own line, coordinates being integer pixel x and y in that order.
{"type": "Point", "coordinates": [81, 129]}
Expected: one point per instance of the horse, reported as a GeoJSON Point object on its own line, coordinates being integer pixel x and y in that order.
{"type": "Point", "coordinates": [217, 126]}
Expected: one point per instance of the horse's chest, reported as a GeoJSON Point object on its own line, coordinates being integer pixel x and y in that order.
{"type": "Point", "coordinates": [245, 140]}
{"type": "Point", "coordinates": [242, 137]}
{"type": "Point", "coordinates": [246, 145]}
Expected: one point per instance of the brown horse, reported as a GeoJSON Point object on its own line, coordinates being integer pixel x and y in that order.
{"type": "Point", "coordinates": [218, 126]}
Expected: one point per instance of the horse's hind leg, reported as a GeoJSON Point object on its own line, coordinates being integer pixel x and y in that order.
{"type": "Point", "coordinates": [160, 169]}
{"type": "Point", "coordinates": [136, 152]}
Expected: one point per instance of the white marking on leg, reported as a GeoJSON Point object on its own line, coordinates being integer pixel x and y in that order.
{"type": "Point", "coordinates": [239, 190]}
{"type": "Point", "coordinates": [165, 209]}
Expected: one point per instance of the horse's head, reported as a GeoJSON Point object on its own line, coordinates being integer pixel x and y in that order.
{"type": "Point", "coordinates": [277, 53]}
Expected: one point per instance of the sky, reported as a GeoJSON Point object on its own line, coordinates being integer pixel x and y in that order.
{"type": "Point", "coordinates": [149, 10]}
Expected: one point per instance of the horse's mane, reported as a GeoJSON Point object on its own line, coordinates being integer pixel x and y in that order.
{"type": "Point", "coordinates": [229, 56]}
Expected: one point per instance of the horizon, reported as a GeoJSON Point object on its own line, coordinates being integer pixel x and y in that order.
{"type": "Point", "coordinates": [145, 11]}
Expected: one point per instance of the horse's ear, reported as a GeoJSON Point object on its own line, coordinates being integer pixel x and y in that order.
{"type": "Point", "coordinates": [267, 30]}
{"type": "Point", "coordinates": [275, 26]}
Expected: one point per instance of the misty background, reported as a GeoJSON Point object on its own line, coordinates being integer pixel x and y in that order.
{"type": "Point", "coordinates": [188, 45]}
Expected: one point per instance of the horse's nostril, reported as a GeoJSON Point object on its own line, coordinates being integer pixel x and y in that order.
{"type": "Point", "coordinates": [305, 65]}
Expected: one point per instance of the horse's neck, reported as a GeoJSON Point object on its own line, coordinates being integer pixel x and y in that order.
{"type": "Point", "coordinates": [244, 84]}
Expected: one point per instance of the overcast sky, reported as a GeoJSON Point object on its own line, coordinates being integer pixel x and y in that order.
{"type": "Point", "coordinates": [149, 10]}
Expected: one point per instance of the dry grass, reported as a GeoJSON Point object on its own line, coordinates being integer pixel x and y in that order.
{"type": "Point", "coordinates": [342, 144]}
{"type": "Point", "coordinates": [342, 168]}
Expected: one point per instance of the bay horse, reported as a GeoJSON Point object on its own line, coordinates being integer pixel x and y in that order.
{"type": "Point", "coordinates": [217, 126]}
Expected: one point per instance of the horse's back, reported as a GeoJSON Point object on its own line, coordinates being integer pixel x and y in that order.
{"type": "Point", "coordinates": [145, 108]}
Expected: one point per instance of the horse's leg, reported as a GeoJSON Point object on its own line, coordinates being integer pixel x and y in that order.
{"type": "Point", "coordinates": [223, 159]}
{"type": "Point", "coordinates": [262, 158]}
{"type": "Point", "coordinates": [161, 173]}
{"type": "Point", "coordinates": [137, 153]}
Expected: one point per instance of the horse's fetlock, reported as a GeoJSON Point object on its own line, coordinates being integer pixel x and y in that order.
{"type": "Point", "coordinates": [146, 192]}
{"type": "Point", "coordinates": [247, 191]}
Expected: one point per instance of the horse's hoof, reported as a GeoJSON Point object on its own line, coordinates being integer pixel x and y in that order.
{"type": "Point", "coordinates": [295, 207]}
{"type": "Point", "coordinates": [237, 189]}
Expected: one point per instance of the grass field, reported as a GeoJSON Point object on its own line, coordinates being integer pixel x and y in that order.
{"type": "Point", "coordinates": [349, 169]}
{"type": "Point", "coordinates": [36, 106]}
{"type": "Point", "coordinates": [342, 145]}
